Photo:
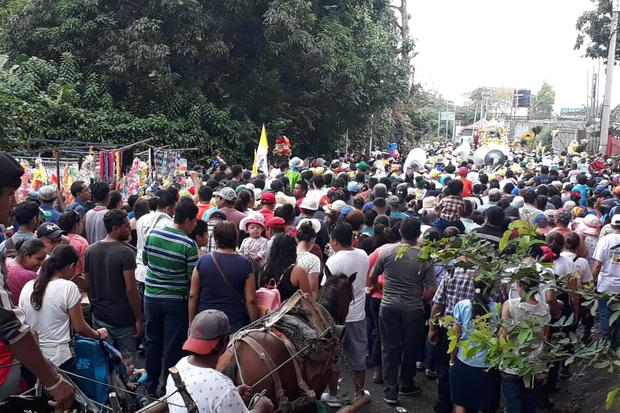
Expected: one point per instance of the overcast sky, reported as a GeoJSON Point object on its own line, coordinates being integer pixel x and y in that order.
{"type": "Point", "coordinates": [463, 45]}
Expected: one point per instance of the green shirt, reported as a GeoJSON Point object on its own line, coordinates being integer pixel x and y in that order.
{"type": "Point", "coordinates": [170, 256]}
{"type": "Point", "coordinates": [293, 177]}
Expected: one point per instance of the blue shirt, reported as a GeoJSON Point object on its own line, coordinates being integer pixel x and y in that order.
{"type": "Point", "coordinates": [216, 294]}
{"type": "Point", "coordinates": [584, 190]}
{"type": "Point", "coordinates": [463, 314]}
{"type": "Point", "coordinates": [51, 214]}
{"type": "Point", "coordinates": [77, 206]}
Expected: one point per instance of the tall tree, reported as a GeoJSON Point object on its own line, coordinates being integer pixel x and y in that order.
{"type": "Point", "coordinates": [309, 69]}
{"type": "Point", "coordinates": [543, 101]}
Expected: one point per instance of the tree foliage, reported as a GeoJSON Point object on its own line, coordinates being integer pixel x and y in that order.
{"type": "Point", "coordinates": [498, 270]}
{"type": "Point", "coordinates": [202, 73]}
{"type": "Point", "coordinates": [543, 101]}
{"type": "Point", "coordinates": [594, 31]}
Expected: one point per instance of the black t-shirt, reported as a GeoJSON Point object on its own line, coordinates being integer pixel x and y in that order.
{"type": "Point", "coordinates": [489, 233]}
{"type": "Point", "coordinates": [105, 263]}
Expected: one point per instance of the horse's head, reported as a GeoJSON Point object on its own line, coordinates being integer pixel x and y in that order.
{"type": "Point", "coordinates": [337, 294]}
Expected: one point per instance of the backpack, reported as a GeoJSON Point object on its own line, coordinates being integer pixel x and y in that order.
{"type": "Point", "coordinates": [268, 298]}
{"type": "Point", "coordinates": [9, 247]}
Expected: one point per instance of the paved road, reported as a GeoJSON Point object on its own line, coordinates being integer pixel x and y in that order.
{"type": "Point", "coordinates": [422, 403]}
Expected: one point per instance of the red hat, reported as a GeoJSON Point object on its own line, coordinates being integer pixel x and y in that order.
{"type": "Point", "coordinates": [276, 222]}
{"type": "Point", "coordinates": [463, 171]}
{"type": "Point", "coordinates": [268, 198]}
{"type": "Point", "coordinates": [191, 190]}
{"type": "Point", "coordinates": [206, 331]}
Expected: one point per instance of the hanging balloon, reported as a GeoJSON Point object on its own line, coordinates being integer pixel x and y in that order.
{"type": "Point", "coordinates": [494, 157]}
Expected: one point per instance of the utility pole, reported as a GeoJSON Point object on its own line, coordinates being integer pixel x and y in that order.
{"type": "Point", "coordinates": [611, 58]}
{"type": "Point", "coordinates": [372, 125]}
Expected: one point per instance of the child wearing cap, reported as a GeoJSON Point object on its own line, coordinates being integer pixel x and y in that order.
{"type": "Point", "coordinates": [255, 246]}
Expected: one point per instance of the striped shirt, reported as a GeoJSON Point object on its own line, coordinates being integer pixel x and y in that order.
{"type": "Point", "coordinates": [170, 256]}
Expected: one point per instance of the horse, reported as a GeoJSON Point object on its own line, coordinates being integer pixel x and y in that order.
{"type": "Point", "coordinates": [266, 359]}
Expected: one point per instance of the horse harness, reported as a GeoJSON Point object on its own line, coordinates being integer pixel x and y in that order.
{"type": "Point", "coordinates": [309, 396]}
{"type": "Point", "coordinates": [283, 402]}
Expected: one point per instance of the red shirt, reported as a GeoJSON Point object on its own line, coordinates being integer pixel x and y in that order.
{"type": "Point", "coordinates": [202, 208]}
{"type": "Point", "coordinates": [17, 278]}
{"type": "Point", "coordinates": [468, 187]}
{"type": "Point", "coordinates": [267, 213]}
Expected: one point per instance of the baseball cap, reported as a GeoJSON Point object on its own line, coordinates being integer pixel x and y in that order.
{"type": "Point", "coordinates": [226, 193]}
{"type": "Point", "coordinates": [276, 222]}
{"type": "Point", "coordinates": [49, 230]}
{"type": "Point", "coordinates": [615, 220]}
{"type": "Point", "coordinates": [337, 205]}
{"type": "Point", "coordinates": [345, 211]}
{"type": "Point", "coordinates": [205, 332]}
{"type": "Point", "coordinates": [309, 204]}
{"type": "Point", "coordinates": [495, 194]}
{"type": "Point", "coordinates": [268, 198]}
{"type": "Point", "coordinates": [354, 186]}
{"type": "Point", "coordinates": [47, 193]}
{"type": "Point", "coordinates": [599, 188]}
{"type": "Point", "coordinates": [517, 202]}
{"type": "Point", "coordinates": [392, 200]}
{"type": "Point", "coordinates": [379, 191]}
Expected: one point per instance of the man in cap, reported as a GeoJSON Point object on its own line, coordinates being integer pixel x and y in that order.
{"type": "Point", "coordinates": [606, 273]}
{"type": "Point", "coordinates": [396, 207]}
{"type": "Point", "coordinates": [51, 235]}
{"type": "Point", "coordinates": [225, 198]}
{"type": "Point", "coordinates": [16, 340]}
{"type": "Point", "coordinates": [293, 173]}
{"type": "Point", "coordinates": [212, 391]}
{"type": "Point", "coordinates": [308, 208]}
{"type": "Point", "coordinates": [268, 203]}
{"type": "Point", "coordinates": [468, 185]}
{"type": "Point", "coordinates": [47, 196]}
{"type": "Point", "coordinates": [495, 195]}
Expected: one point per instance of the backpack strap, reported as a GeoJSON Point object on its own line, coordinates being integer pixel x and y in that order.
{"type": "Point", "coordinates": [223, 277]}
{"type": "Point", "coordinates": [290, 267]}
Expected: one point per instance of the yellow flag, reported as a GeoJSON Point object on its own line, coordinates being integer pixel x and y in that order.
{"type": "Point", "coordinates": [260, 155]}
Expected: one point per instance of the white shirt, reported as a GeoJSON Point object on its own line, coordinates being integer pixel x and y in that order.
{"type": "Point", "coordinates": [581, 266]}
{"type": "Point", "coordinates": [351, 262]}
{"type": "Point", "coordinates": [212, 391]}
{"type": "Point", "coordinates": [310, 262]}
{"type": "Point", "coordinates": [609, 277]}
{"type": "Point", "coordinates": [51, 322]}
{"type": "Point", "coordinates": [563, 266]}
{"type": "Point", "coordinates": [144, 225]}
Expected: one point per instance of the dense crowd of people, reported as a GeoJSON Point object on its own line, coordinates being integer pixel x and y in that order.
{"type": "Point", "coordinates": [138, 272]}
